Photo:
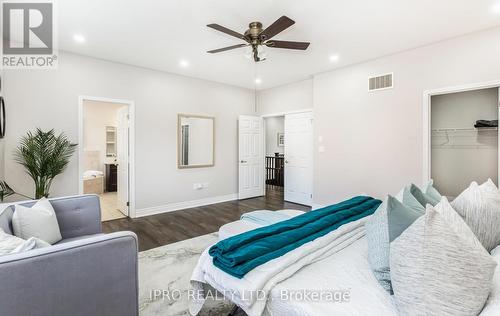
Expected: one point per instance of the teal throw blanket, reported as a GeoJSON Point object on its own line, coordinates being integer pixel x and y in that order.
{"type": "Point", "coordinates": [240, 254]}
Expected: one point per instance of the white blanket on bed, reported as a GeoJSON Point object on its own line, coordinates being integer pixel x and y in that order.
{"type": "Point", "coordinates": [252, 291]}
{"type": "Point", "coordinates": [345, 271]}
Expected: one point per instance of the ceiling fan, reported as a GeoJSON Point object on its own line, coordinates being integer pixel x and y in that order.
{"type": "Point", "coordinates": [255, 36]}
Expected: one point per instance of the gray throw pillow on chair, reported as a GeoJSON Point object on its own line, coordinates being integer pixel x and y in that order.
{"type": "Point", "coordinates": [386, 224]}
{"type": "Point", "coordinates": [438, 267]}
{"type": "Point", "coordinates": [38, 221]}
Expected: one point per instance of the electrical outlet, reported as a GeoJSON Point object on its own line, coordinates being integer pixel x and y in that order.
{"type": "Point", "coordinates": [197, 186]}
{"type": "Point", "coordinates": [205, 185]}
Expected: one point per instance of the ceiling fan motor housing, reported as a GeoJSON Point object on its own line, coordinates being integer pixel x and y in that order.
{"type": "Point", "coordinates": [255, 28]}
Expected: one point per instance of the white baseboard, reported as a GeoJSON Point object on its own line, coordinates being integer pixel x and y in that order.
{"type": "Point", "coordinates": [184, 205]}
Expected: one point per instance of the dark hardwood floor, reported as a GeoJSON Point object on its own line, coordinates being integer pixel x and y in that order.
{"type": "Point", "coordinates": [158, 230]}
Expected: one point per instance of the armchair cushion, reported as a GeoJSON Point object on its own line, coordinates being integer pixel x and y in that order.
{"type": "Point", "coordinates": [77, 238]}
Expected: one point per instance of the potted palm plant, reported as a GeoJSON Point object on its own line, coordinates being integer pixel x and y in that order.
{"type": "Point", "coordinates": [44, 155]}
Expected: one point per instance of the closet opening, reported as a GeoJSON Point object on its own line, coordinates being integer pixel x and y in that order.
{"type": "Point", "coordinates": [464, 139]}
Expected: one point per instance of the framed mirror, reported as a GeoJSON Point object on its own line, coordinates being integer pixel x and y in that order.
{"type": "Point", "coordinates": [196, 140]}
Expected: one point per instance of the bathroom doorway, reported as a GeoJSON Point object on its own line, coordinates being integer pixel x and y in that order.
{"type": "Point", "coordinates": [105, 154]}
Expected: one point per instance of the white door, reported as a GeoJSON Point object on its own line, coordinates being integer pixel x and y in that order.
{"type": "Point", "coordinates": [122, 159]}
{"type": "Point", "coordinates": [251, 157]}
{"type": "Point", "coordinates": [299, 158]}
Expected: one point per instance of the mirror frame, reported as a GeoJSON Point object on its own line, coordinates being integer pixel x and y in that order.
{"type": "Point", "coordinates": [179, 140]}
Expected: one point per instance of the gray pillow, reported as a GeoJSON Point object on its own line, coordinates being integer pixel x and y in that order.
{"type": "Point", "coordinates": [39, 221]}
{"type": "Point", "coordinates": [479, 206]}
{"type": "Point", "coordinates": [438, 267]}
{"type": "Point", "coordinates": [385, 225]}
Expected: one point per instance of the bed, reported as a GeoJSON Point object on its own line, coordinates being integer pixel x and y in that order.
{"type": "Point", "coordinates": [342, 280]}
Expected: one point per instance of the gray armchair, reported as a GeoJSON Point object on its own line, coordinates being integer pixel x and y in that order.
{"type": "Point", "coordinates": [86, 273]}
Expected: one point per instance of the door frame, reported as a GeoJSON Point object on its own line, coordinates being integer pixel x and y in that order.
{"type": "Point", "coordinates": [131, 173]}
{"type": "Point", "coordinates": [426, 118]}
{"type": "Point", "coordinates": [277, 114]}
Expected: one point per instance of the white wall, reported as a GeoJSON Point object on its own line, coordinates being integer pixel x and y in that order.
{"type": "Point", "coordinates": [49, 99]}
{"type": "Point", "coordinates": [463, 156]}
{"type": "Point", "coordinates": [290, 97]}
{"type": "Point", "coordinates": [96, 117]}
{"type": "Point", "coordinates": [374, 141]}
{"type": "Point", "coordinates": [274, 125]}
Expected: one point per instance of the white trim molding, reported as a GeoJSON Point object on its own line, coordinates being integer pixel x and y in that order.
{"type": "Point", "coordinates": [184, 205]}
{"type": "Point", "coordinates": [131, 108]}
{"type": "Point", "coordinates": [285, 113]}
{"type": "Point", "coordinates": [426, 117]}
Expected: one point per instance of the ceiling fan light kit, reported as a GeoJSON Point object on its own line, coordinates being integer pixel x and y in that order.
{"type": "Point", "coordinates": [256, 38]}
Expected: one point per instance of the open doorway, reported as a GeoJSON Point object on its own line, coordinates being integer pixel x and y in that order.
{"type": "Point", "coordinates": [276, 156]}
{"type": "Point", "coordinates": [105, 153]}
{"type": "Point", "coordinates": [289, 156]}
{"type": "Point", "coordinates": [274, 139]}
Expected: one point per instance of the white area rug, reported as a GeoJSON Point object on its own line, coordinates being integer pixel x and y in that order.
{"type": "Point", "coordinates": [164, 274]}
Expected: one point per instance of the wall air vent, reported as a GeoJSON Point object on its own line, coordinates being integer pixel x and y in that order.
{"type": "Point", "coordinates": [381, 82]}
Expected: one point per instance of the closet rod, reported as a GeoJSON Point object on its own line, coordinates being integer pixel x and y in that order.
{"type": "Point", "coordinates": [465, 129]}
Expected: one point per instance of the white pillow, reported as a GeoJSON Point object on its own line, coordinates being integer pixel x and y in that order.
{"type": "Point", "coordinates": [479, 206]}
{"type": "Point", "coordinates": [39, 221]}
{"type": "Point", "coordinates": [12, 244]}
{"type": "Point", "coordinates": [489, 187]}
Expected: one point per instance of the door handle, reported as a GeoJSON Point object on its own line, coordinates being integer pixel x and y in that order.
{"type": "Point", "coordinates": [286, 161]}
{"type": "Point", "coordinates": [243, 161]}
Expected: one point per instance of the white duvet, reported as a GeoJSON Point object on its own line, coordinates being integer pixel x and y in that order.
{"type": "Point", "coordinates": [251, 292]}
{"type": "Point", "coordinates": [336, 263]}
{"type": "Point", "coordinates": [347, 270]}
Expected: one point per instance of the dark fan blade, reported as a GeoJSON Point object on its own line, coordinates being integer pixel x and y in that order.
{"type": "Point", "coordinates": [226, 48]}
{"type": "Point", "coordinates": [288, 45]}
{"type": "Point", "coordinates": [222, 29]}
{"type": "Point", "coordinates": [277, 27]}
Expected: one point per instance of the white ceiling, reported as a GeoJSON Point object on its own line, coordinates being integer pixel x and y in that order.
{"type": "Point", "coordinates": [158, 34]}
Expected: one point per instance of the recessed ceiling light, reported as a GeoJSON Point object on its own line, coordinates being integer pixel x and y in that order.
{"type": "Point", "coordinates": [79, 38]}
{"type": "Point", "coordinates": [184, 63]}
{"type": "Point", "coordinates": [496, 8]}
{"type": "Point", "coordinates": [334, 58]}
{"type": "Point", "coordinates": [258, 80]}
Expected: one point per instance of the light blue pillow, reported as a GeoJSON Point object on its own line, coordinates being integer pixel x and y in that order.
{"type": "Point", "coordinates": [414, 198]}
{"type": "Point", "coordinates": [385, 225]}
{"type": "Point", "coordinates": [431, 192]}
